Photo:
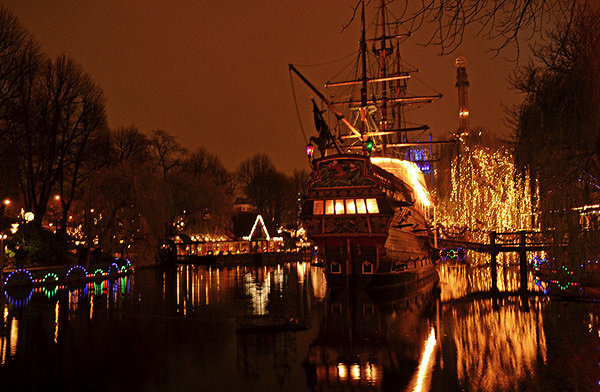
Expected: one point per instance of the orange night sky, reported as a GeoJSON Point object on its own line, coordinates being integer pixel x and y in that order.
{"type": "Point", "coordinates": [214, 73]}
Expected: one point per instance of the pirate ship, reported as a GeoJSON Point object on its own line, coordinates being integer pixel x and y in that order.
{"type": "Point", "coordinates": [367, 207]}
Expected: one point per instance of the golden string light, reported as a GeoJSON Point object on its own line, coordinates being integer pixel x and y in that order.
{"type": "Point", "coordinates": [487, 194]}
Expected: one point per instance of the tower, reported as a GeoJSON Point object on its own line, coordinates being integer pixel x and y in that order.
{"type": "Point", "coordinates": [462, 84]}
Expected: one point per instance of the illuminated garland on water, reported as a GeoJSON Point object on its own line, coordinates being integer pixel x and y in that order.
{"type": "Point", "coordinates": [113, 269]}
{"type": "Point", "coordinates": [50, 275]}
{"type": "Point", "coordinates": [77, 267]}
{"type": "Point", "coordinates": [19, 303]}
{"type": "Point", "coordinates": [50, 292]}
{"type": "Point", "coordinates": [460, 254]}
{"type": "Point", "coordinates": [98, 273]}
{"type": "Point", "coordinates": [537, 265]}
{"type": "Point", "coordinates": [16, 272]}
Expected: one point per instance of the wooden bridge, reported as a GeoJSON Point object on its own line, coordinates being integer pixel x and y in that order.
{"type": "Point", "coordinates": [521, 241]}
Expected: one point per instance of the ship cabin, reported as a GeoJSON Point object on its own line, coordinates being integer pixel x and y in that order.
{"type": "Point", "coordinates": [351, 203]}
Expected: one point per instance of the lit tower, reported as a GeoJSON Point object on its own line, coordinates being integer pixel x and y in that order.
{"type": "Point", "coordinates": [462, 84]}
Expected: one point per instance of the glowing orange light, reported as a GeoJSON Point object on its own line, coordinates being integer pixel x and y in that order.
{"type": "Point", "coordinates": [339, 206]}
{"type": "Point", "coordinates": [361, 207]}
{"type": "Point", "coordinates": [318, 207]}
{"type": "Point", "coordinates": [350, 207]}
{"type": "Point", "coordinates": [372, 206]}
{"type": "Point", "coordinates": [329, 207]}
{"type": "Point", "coordinates": [355, 372]}
{"type": "Point", "coordinates": [342, 371]}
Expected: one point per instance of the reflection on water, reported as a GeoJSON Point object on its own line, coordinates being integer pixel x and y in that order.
{"type": "Point", "coordinates": [175, 329]}
{"type": "Point", "coordinates": [458, 280]}
{"type": "Point", "coordinates": [374, 343]}
{"type": "Point", "coordinates": [495, 350]}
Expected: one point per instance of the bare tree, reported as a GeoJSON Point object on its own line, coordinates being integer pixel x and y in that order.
{"type": "Point", "coordinates": [167, 153]}
{"type": "Point", "coordinates": [557, 130]}
{"type": "Point", "coordinates": [202, 163]}
{"type": "Point", "coordinates": [130, 144]}
{"type": "Point", "coordinates": [503, 22]}
{"type": "Point", "coordinates": [60, 128]}
{"type": "Point", "coordinates": [20, 58]}
{"type": "Point", "coordinates": [125, 208]}
{"type": "Point", "coordinates": [269, 190]}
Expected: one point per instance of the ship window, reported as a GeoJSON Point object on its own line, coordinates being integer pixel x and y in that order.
{"type": "Point", "coordinates": [339, 206]}
{"type": "Point", "coordinates": [336, 267]}
{"type": "Point", "coordinates": [361, 208]}
{"type": "Point", "coordinates": [350, 206]}
{"type": "Point", "coordinates": [329, 207]}
{"type": "Point", "coordinates": [367, 267]}
{"type": "Point", "coordinates": [318, 207]}
{"type": "Point", "coordinates": [372, 206]}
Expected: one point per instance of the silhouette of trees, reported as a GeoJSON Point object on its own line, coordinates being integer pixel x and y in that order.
{"type": "Point", "coordinates": [166, 152]}
{"type": "Point", "coordinates": [61, 135]}
{"type": "Point", "coordinates": [557, 125]}
{"type": "Point", "coordinates": [120, 189]}
{"type": "Point", "coordinates": [502, 22]}
{"type": "Point", "coordinates": [130, 144]}
{"type": "Point", "coordinates": [271, 191]}
{"type": "Point", "coordinates": [20, 59]}
{"type": "Point", "coordinates": [201, 162]}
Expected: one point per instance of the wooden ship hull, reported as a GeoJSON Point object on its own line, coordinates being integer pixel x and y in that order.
{"type": "Point", "coordinates": [372, 226]}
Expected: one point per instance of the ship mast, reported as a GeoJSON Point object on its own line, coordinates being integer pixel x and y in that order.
{"type": "Point", "coordinates": [364, 78]}
{"type": "Point", "coordinates": [382, 60]}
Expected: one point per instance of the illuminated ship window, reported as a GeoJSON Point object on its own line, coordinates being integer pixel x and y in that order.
{"type": "Point", "coordinates": [361, 208]}
{"type": "Point", "coordinates": [367, 267]}
{"type": "Point", "coordinates": [329, 207]}
{"type": "Point", "coordinates": [339, 206]}
{"type": "Point", "coordinates": [372, 206]}
{"type": "Point", "coordinates": [336, 267]}
{"type": "Point", "coordinates": [350, 206]}
{"type": "Point", "coordinates": [318, 207]}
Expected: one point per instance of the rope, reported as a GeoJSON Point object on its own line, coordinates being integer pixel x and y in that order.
{"type": "Point", "coordinates": [296, 105]}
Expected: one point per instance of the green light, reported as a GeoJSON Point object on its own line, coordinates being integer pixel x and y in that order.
{"type": "Point", "coordinates": [369, 145]}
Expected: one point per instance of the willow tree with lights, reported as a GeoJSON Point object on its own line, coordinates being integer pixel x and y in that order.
{"type": "Point", "coordinates": [558, 135]}
{"type": "Point", "coordinates": [485, 192]}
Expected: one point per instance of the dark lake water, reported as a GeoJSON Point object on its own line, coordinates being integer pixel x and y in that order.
{"type": "Point", "coordinates": [175, 330]}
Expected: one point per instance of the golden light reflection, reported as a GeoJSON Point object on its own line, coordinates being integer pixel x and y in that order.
{"type": "Point", "coordinates": [342, 371]}
{"type": "Point", "coordinates": [301, 272]}
{"type": "Point", "coordinates": [423, 377]}
{"type": "Point", "coordinates": [4, 341]}
{"type": "Point", "coordinates": [370, 373]}
{"type": "Point", "coordinates": [258, 293]}
{"type": "Point", "coordinates": [355, 371]}
{"type": "Point", "coordinates": [56, 319]}
{"type": "Point", "coordinates": [319, 284]}
{"type": "Point", "coordinates": [497, 350]}
{"type": "Point", "coordinates": [459, 280]}
{"type": "Point", "coordinates": [14, 336]}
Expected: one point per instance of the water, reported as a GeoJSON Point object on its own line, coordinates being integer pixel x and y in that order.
{"type": "Point", "coordinates": [175, 330]}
